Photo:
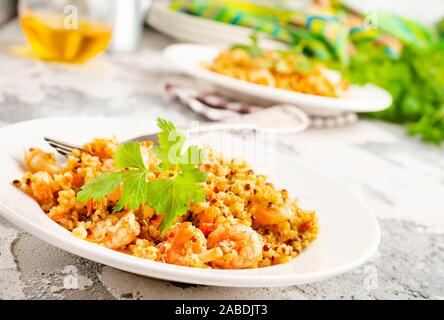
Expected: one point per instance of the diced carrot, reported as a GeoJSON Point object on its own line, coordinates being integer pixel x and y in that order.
{"type": "Point", "coordinates": [76, 180]}
{"type": "Point", "coordinates": [57, 217]}
{"type": "Point", "coordinates": [305, 226]}
{"type": "Point", "coordinates": [207, 228]}
{"type": "Point", "coordinates": [155, 222]}
{"type": "Point", "coordinates": [89, 205]}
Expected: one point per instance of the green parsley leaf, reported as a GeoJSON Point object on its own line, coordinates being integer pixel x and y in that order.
{"type": "Point", "coordinates": [282, 66]}
{"type": "Point", "coordinates": [171, 141]}
{"type": "Point", "coordinates": [134, 191]}
{"type": "Point", "coordinates": [172, 196]}
{"type": "Point", "coordinates": [100, 187]}
{"type": "Point", "coordinates": [304, 66]}
{"type": "Point", "coordinates": [253, 50]}
{"type": "Point", "coordinates": [415, 80]}
{"type": "Point", "coordinates": [128, 155]}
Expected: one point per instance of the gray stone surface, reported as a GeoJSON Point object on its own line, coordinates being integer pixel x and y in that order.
{"type": "Point", "coordinates": [401, 179]}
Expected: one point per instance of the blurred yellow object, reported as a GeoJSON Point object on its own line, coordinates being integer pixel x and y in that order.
{"type": "Point", "coordinates": [51, 40]}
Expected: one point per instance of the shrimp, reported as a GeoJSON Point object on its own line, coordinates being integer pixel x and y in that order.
{"type": "Point", "coordinates": [108, 165]}
{"type": "Point", "coordinates": [116, 235]}
{"type": "Point", "coordinates": [262, 76]}
{"type": "Point", "coordinates": [41, 186]}
{"type": "Point", "coordinates": [240, 57]}
{"type": "Point", "coordinates": [37, 160]}
{"type": "Point", "coordinates": [102, 148]}
{"type": "Point", "coordinates": [205, 217]}
{"type": "Point", "coordinates": [265, 213]}
{"type": "Point", "coordinates": [184, 244]}
{"type": "Point", "coordinates": [242, 246]}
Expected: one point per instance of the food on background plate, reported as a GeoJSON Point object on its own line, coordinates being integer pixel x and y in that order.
{"type": "Point", "coordinates": [403, 56]}
{"type": "Point", "coordinates": [278, 69]}
{"type": "Point", "coordinates": [188, 207]}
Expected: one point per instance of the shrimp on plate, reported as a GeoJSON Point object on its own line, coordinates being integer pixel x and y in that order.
{"type": "Point", "coordinates": [184, 244]}
{"type": "Point", "coordinates": [265, 213]}
{"type": "Point", "coordinates": [37, 160]}
{"type": "Point", "coordinates": [41, 188]}
{"type": "Point", "coordinates": [115, 235]}
{"type": "Point", "coordinates": [241, 246]}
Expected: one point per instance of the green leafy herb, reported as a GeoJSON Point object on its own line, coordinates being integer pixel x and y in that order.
{"type": "Point", "coordinates": [281, 66]}
{"type": "Point", "coordinates": [253, 49]}
{"type": "Point", "coordinates": [171, 196]}
{"type": "Point", "coordinates": [304, 66]}
{"type": "Point", "coordinates": [415, 80]}
{"type": "Point", "coordinates": [98, 188]}
{"type": "Point", "coordinates": [129, 156]}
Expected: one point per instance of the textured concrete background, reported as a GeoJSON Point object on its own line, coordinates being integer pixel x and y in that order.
{"type": "Point", "coordinates": [401, 179]}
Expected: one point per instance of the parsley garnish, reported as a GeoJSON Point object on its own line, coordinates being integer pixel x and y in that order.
{"type": "Point", "coordinates": [415, 80]}
{"type": "Point", "coordinates": [170, 196]}
{"type": "Point", "coordinates": [253, 49]}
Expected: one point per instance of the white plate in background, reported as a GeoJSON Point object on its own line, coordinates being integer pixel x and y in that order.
{"type": "Point", "coordinates": [349, 232]}
{"type": "Point", "coordinates": [186, 27]}
{"type": "Point", "coordinates": [189, 57]}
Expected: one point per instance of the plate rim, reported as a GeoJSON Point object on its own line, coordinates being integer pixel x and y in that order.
{"type": "Point", "coordinates": [170, 272]}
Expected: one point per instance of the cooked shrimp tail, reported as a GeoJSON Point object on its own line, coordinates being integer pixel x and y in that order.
{"type": "Point", "coordinates": [241, 245]}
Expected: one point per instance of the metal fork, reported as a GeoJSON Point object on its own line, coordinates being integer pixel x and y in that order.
{"type": "Point", "coordinates": [281, 119]}
{"type": "Point", "coordinates": [65, 149]}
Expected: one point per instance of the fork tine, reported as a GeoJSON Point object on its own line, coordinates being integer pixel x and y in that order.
{"type": "Point", "coordinates": [56, 146]}
{"type": "Point", "coordinates": [61, 147]}
{"type": "Point", "coordinates": [65, 149]}
{"type": "Point", "coordinates": [61, 144]}
{"type": "Point", "coordinates": [63, 152]}
{"type": "Point", "coordinates": [152, 137]}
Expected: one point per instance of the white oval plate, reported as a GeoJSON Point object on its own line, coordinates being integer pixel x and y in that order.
{"type": "Point", "coordinates": [349, 232]}
{"type": "Point", "coordinates": [188, 58]}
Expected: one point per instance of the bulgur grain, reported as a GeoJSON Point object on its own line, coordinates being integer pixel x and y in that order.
{"type": "Point", "coordinates": [276, 231]}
